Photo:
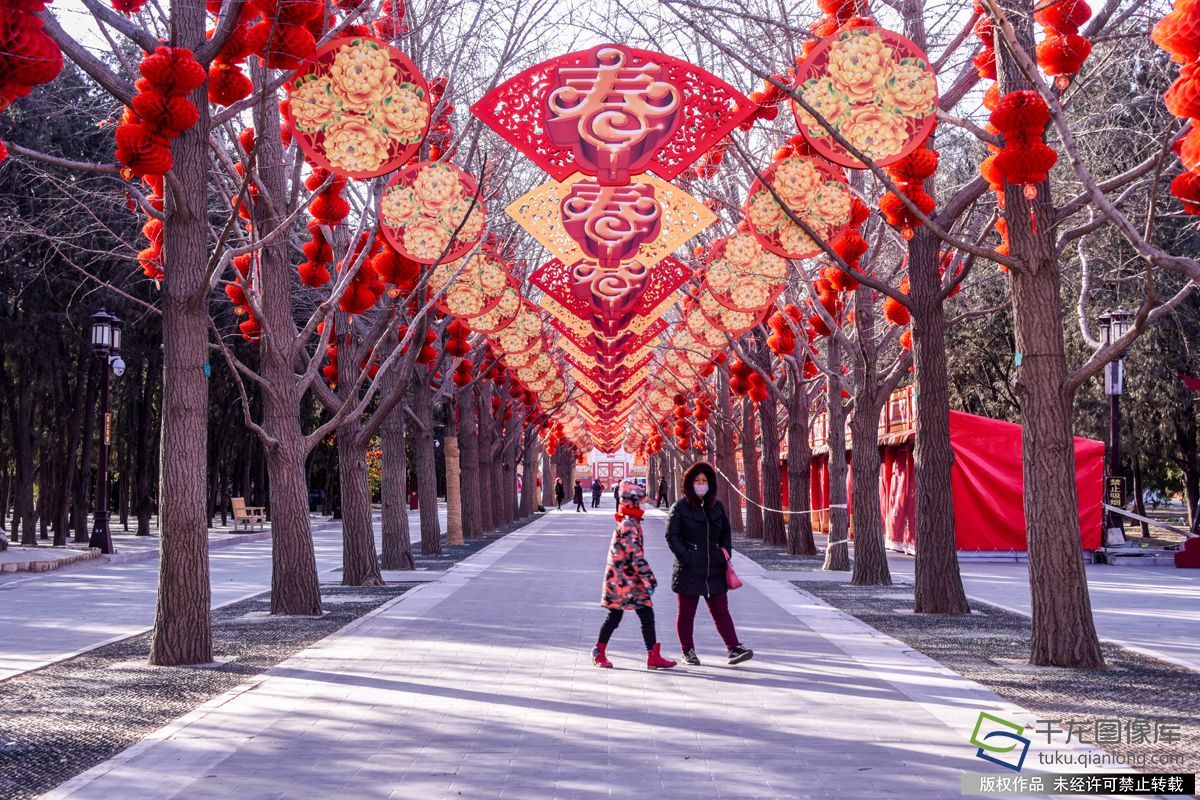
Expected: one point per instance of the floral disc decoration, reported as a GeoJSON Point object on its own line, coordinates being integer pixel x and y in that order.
{"type": "Point", "coordinates": [875, 87]}
{"type": "Point", "coordinates": [360, 108]}
{"type": "Point", "coordinates": [472, 287]}
{"type": "Point", "coordinates": [743, 275]}
{"type": "Point", "coordinates": [431, 212]}
{"type": "Point", "coordinates": [813, 190]}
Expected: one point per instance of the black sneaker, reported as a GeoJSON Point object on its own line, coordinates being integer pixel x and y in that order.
{"type": "Point", "coordinates": [739, 654]}
{"type": "Point", "coordinates": [691, 658]}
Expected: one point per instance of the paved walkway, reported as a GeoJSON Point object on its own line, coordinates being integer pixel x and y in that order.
{"type": "Point", "coordinates": [54, 615]}
{"type": "Point", "coordinates": [480, 685]}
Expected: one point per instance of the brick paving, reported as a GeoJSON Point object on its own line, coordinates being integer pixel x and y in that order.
{"type": "Point", "coordinates": [480, 685]}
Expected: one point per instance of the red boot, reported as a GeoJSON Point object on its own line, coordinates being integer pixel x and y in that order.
{"type": "Point", "coordinates": [598, 657]}
{"type": "Point", "coordinates": [656, 661]}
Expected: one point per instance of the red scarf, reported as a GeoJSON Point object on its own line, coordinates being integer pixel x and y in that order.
{"type": "Point", "coordinates": [628, 510]}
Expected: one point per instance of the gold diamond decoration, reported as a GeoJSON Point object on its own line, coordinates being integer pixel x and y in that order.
{"type": "Point", "coordinates": [539, 213]}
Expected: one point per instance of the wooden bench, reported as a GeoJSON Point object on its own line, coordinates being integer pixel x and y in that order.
{"type": "Point", "coordinates": [248, 515]}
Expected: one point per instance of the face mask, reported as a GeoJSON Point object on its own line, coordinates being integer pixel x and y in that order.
{"type": "Point", "coordinates": [701, 489]}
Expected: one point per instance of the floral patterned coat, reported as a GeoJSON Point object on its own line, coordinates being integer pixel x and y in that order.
{"type": "Point", "coordinates": [628, 579]}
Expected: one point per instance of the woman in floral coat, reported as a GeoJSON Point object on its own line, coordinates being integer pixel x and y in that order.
{"type": "Point", "coordinates": [628, 581]}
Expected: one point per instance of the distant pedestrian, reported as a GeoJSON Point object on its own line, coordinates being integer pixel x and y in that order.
{"type": "Point", "coordinates": [617, 494]}
{"type": "Point", "coordinates": [579, 497]}
{"type": "Point", "coordinates": [661, 500]}
{"type": "Point", "coordinates": [698, 534]}
{"type": "Point", "coordinates": [559, 492]}
{"type": "Point", "coordinates": [597, 489]}
{"type": "Point", "coordinates": [629, 582]}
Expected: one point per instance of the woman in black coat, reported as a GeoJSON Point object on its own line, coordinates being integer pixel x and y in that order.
{"type": "Point", "coordinates": [578, 497]}
{"type": "Point", "coordinates": [697, 531]}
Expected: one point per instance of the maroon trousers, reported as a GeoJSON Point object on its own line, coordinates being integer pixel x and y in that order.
{"type": "Point", "coordinates": [718, 606]}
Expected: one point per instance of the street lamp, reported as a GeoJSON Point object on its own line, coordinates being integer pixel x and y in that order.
{"type": "Point", "coordinates": [1114, 325]}
{"type": "Point", "coordinates": [106, 347]}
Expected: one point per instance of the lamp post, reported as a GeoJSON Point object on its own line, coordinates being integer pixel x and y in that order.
{"type": "Point", "coordinates": [1113, 325]}
{"type": "Point", "coordinates": [106, 347]}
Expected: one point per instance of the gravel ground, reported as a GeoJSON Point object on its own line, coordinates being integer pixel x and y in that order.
{"type": "Point", "coordinates": [991, 647]}
{"type": "Point", "coordinates": [61, 720]}
{"type": "Point", "coordinates": [772, 557]}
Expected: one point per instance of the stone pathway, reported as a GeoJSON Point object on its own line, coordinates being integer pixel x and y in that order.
{"type": "Point", "coordinates": [55, 615]}
{"type": "Point", "coordinates": [480, 685]}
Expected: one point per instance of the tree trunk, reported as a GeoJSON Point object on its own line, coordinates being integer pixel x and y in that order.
{"type": "Point", "coordinates": [837, 556]}
{"type": "Point", "coordinates": [425, 462]}
{"type": "Point", "coordinates": [754, 517]}
{"type": "Point", "coordinates": [726, 457]}
{"type": "Point", "coordinates": [468, 461]}
{"type": "Point", "coordinates": [1185, 441]}
{"type": "Point", "coordinates": [182, 625]}
{"type": "Point", "coordinates": [295, 586]}
{"type": "Point", "coordinates": [397, 539]}
{"type": "Point", "coordinates": [547, 480]}
{"type": "Point", "coordinates": [529, 492]}
{"type": "Point", "coordinates": [1064, 633]}
{"type": "Point", "coordinates": [799, 528]}
{"type": "Point", "coordinates": [454, 498]}
{"type": "Point", "coordinates": [83, 476]}
{"type": "Point", "coordinates": [870, 552]}
{"type": "Point", "coordinates": [1139, 488]}
{"type": "Point", "coordinates": [71, 448]}
{"type": "Point", "coordinates": [489, 488]}
{"type": "Point", "coordinates": [144, 503]}
{"type": "Point", "coordinates": [772, 479]}
{"type": "Point", "coordinates": [938, 585]}
{"type": "Point", "coordinates": [360, 566]}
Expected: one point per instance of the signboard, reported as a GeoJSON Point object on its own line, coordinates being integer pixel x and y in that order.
{"type": "Point", "coordinates": [1114, 493]}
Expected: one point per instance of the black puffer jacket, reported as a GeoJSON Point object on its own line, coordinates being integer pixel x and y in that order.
{"type": "Point", "coordinates": [696, 536]}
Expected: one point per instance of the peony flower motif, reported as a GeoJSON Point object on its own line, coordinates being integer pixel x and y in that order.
{"type": "Point", "coordinates": [742, 250]}
{"type": "Point", "coordinates": [404, 114]}
{"type": "Point", "coordinates": [763, 212]}
{"type": "Point", "coordinates": [795, 180]}
{"type": "Point", "coordinates": [426, 240]}
{"type": "Point", "coordinates": [464, 301]}
{"type": "Point", "coordinates": [362, 75]}
{"type": "Point", "coordinates": [859, 62]}
{"type": "Point", "coordinates": [459, 211]}
{"type": "Point", "coordinates": [399, 207]}
{"type": "Point", "coordinates": [442, 274]}
{"type": "Point", "coordinates": [910, 90]}
{"type": "Point", "coordinates": [750, 294]}
{"type": "Point", "coordinates": [830, 205]}
{"type": "Point", "coordinates": [493, 278]}
{"type": "Point", "coordinates": [314, 105]}
{"type": "Point", "coordinates": [771, 268]}
{"type": "Point", "coordinates": [719, 276]}
{"type": "Point", "coordinates": [353, 145]}
{"type": "Point", "coordinates": [876, 133]}
{"type": "Point", "coordinates": [795, 241]}
{"type": "Point", "coordinates": [437, 188]}
{"type": "Point", "coordinates": [826, 100]}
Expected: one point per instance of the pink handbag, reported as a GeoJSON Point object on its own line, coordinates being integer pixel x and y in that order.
{"type": "Point", "coordinates": [731, 578]}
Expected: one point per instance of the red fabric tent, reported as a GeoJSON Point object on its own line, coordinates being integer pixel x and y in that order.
{"type": "Point", "coordinates": [987, 484]}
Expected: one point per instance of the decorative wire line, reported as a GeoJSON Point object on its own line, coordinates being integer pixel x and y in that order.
{"type": "Point", "coordinates": [735, 487]}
